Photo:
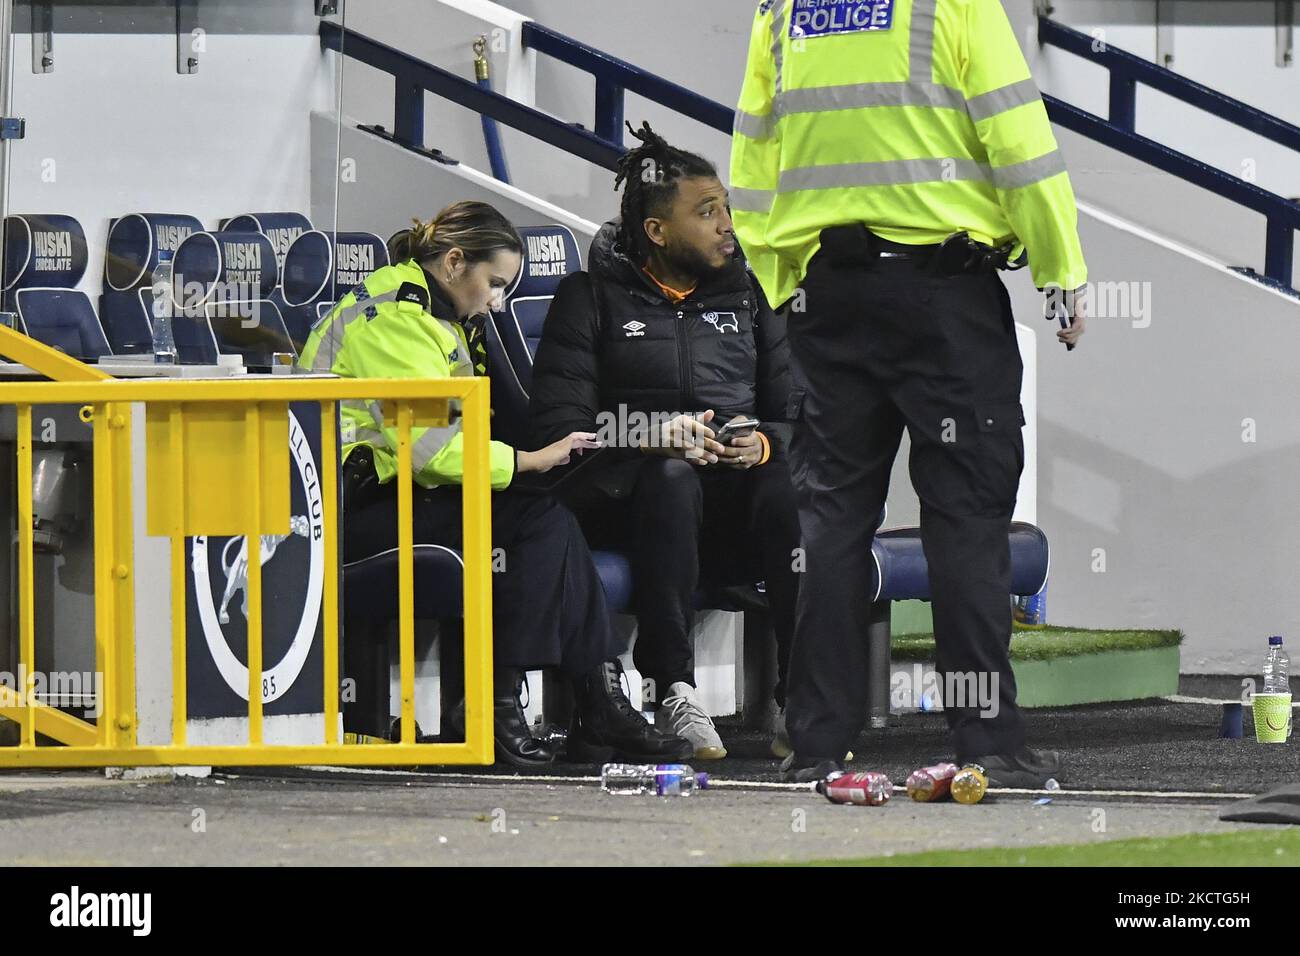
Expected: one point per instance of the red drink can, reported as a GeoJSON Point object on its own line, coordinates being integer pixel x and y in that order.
{"type": "Point", "coordinates": [931, 783]}
{"type": "Point", "coordinates": [868, 789]}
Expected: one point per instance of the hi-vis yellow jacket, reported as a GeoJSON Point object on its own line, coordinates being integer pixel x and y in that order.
{"type": "Point", "coordinates": [384, 329]}
{"type": "Point", "coordinates": [916, 117]}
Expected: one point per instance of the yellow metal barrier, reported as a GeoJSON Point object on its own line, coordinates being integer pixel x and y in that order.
{"type": "Point", "coordinates": [189, 428]}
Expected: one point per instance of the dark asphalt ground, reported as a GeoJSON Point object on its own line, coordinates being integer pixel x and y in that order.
{"type": "Point", "coordinates": [1138, 745]}
{"type": "Point", "coordinates": [477, 816]}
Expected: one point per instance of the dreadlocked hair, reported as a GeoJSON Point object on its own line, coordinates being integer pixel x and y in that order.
{"type": "Point", "coordinates": [649, 174]}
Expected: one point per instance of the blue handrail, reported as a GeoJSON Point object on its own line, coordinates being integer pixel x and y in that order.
{"type": "Point", "coordinates": [1127, 70]}
{"type": "Point", "coordinates": [1118, 131]}
{"type": "Point", "coordinates": [615, 76]}
{"type": "Point", "coordinates": [412, 77]}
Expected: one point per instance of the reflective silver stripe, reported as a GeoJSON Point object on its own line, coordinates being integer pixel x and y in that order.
{"type": "Point", "coordinates": [370, 436]}
{"type": "Point", "coordinates": [332, 340]}
{"type": "Point", "coordinates": [855, 96]}
{"type": "Point", "coordinates": [1030, 171]}
{"type": "Point", "coordinates": [377, 413]}
{"type": "Point", "coordinates": [751, 200]}
{"type": "Point", "coordinates": [920, 49]}
{"type": "Point", "coordinates": [328, 349]}
{"type": "Point", "coordinates": [778, 51]}
{"type": "Point", "coordinates": [359, 405]}
{"type": "Point", "coordinates": [753, 126]}
{"type": "Point", "coordinates": [1002, 99]}
{"type": "Point", "coordinates": [894, 172]}
{"type": "Point", "coordinates": [429, 444]}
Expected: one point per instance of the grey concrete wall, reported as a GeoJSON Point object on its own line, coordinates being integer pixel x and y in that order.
{"type": "Point", "coordinates": [1169, 452]}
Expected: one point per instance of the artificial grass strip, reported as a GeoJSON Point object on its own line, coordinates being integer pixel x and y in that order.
{"type": "Point", "coordinates": [1047, 643]}
{"type": "Point", "coordinates": [1274, 847]}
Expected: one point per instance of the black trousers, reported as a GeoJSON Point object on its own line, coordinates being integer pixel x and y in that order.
{"type": "Point", "coordinates": [880, 347]}
{"type": "Point", "coordinates": [683, 523]}
{"type": "Point", "coordinates": [548, 605]}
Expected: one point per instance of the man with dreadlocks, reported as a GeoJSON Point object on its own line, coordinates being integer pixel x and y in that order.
{"type": "Point", "coordinates": [670, 328]}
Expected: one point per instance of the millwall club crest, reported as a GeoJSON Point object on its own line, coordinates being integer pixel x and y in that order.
{"type": "Point", "coordinates": [293, 577]}
{"type": "Point", "coordinates": [722, 321]}
{"type": "Point", "coordinates": [236, 568]}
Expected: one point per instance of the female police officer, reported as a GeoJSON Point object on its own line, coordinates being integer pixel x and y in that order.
{"type": "Point", "coordinates": [415, 318]}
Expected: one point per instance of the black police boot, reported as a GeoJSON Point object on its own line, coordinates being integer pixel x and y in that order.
{"type": "Point", "coordinates": [515, 744]}
{"type": "Point", "coordinates": [606, 727]}
{"type": "Point", "coordinates": [796, 769]}
{"type": "Point", "coordinates": [1026, 769]}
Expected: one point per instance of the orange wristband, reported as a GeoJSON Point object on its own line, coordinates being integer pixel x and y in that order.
{"type": "Point", "coordinates": [767, 449]}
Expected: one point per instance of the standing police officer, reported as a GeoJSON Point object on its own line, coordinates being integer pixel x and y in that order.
{"type": "Point", "coordinates": [889, 156]}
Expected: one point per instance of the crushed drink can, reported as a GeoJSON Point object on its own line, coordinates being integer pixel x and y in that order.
{"type": "Point", "coordinates": [931, 783]}
{"type": "Point", "coordinates": [868, 789]}
{"type": "Point", "coordinates": [970, 784]}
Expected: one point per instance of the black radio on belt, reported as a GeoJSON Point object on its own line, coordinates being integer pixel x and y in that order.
{"type": "Point", "coordinates": [959, 254]}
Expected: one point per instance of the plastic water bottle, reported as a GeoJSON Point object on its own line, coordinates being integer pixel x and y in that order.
{"type": "Point", "coordinates": [664, 780]}
{"type": "Point", "coordinates": [164, 342]}
{"type": "Point", "coordinates": [1276, 668]}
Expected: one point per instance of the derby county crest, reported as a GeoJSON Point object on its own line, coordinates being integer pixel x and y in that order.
{"type": "Point", "coordinates": [293, 575]}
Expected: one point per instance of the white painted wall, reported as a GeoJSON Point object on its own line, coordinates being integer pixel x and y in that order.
{"type": "Point", "coordinates": [1226, 46]}
{"type": "Point", "coordinates": [702, 46]}
{"type": "Point", "coordinates": [115, 129]}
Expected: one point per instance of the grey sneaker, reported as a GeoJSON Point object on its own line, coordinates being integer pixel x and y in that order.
{"type": "Point", "coordinates": [781, 746]}
{"type": "Point", "coordinates": [680, 714]}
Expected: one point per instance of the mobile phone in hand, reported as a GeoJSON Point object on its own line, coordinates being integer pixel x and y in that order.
{"type": "Point", "coordinates": [736, 429]}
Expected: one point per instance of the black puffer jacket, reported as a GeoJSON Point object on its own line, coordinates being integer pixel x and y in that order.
{"type": "Point", "coordinates": [612, 338]}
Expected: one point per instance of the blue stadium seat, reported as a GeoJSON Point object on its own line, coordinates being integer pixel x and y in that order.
{"type": "Point", "coordinates": [42, 251]}
{"type": "Point", "coordinates": [438, 583]}
{"type": "Point", "coordinates": [512, 335]}
{"type": "Point", "coordinates": [321, 267]}
{"type": "Point", "coordinates": [63, 319]}
{"type": "Point", "coordinates": [253, 329]}
{"type": "Point", "coordinates": [45, 258]}
{"type": "Point", "coordinates": [195, 343]}
{"type": "Point", "coordinates": [135, 242]}
{"type": "Point", "coordinates": [900, 573]}
{"type": "Point", "coordinates": [222, 281]}
{"type": "Point", "coordinates": [126, 321]}
{"type": "Point", "coordinates": [281, 228]}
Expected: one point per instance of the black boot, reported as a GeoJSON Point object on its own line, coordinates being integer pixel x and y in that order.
{"type": "Point", "coordinates": [515, 744]}
{"type": "Point", "coordinates": [606, 727]}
